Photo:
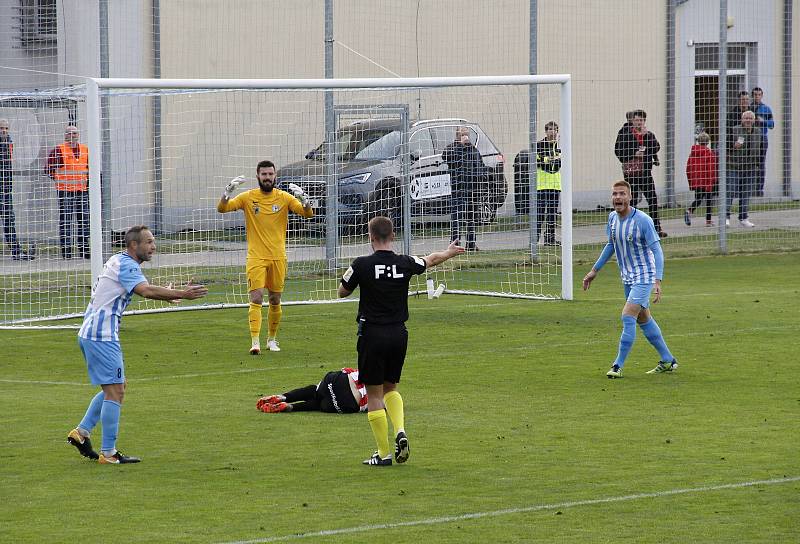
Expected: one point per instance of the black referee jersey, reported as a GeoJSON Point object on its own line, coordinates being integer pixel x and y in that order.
{"type": "Point", "coordinates": [383, 278]}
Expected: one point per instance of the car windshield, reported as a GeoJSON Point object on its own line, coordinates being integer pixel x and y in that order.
{"type": "Point", "coordinates": [363, 144]}
{"type": "Point", "coordinates": [377, 146]}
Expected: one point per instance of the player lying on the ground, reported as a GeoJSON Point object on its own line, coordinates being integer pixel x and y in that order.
{"type": "Point", "coordinates": [338, 392]}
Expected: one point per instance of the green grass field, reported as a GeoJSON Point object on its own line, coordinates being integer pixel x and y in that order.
{"type": "Point", "coordinates": [516, 434]}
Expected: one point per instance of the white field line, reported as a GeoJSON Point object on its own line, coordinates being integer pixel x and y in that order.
{"type": "Point", "coordinates": [431, 354]}
{"type": "Point", "coordinates": [42, 382]}
{"type": "Point", "coordinates": [173, 377]}
{"type": "Point", "coordinates": [521, 510]}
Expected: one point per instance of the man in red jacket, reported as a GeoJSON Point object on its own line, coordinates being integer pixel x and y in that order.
{"type": "Point", "coordinates": [701, 171]}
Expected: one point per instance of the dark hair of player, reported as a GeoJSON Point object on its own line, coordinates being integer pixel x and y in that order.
{"type": "Point", "coordinates": [134, 234]}
{"type": "Point", "coordinates": [264, 164]}
{"type": "Point", "coordinates": [381, 228]}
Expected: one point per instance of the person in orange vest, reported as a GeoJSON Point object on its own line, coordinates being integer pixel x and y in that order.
{"type": "Point", "coordinates": [68, 165]}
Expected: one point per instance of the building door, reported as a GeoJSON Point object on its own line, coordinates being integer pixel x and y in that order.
{"type": "Point", "coordinates": [706, 84]}
{"type": "Point", "coordinates": [706, 102]}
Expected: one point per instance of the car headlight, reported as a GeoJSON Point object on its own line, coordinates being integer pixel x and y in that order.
{"type": "Point", "coordinates": [358, 178]}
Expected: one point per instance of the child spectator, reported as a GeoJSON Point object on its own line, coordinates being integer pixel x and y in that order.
{"type": "Point", "coordinates": [701, 171]}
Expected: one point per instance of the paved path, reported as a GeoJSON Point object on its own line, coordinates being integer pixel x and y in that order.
{"type": "Point", "coordinates": [234, 253]}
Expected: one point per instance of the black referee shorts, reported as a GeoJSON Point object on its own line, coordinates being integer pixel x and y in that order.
{"type": "Point", "coordinates": [381, 353]}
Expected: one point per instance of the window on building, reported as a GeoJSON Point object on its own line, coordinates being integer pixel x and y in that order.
{"type": "Point", "coordinates": [36, 23]}
{"type": "Point", "coordinates": [707, 56]}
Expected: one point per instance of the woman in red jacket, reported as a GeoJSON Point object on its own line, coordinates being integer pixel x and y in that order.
{"type": "Point", "coordinates": [701, 171]}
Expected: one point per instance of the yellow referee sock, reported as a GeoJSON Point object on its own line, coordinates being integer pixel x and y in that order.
{"type": "Point", "coordinates": [274, 319]}
{"type": "Point", "coordinates": [380, 429]}
{"type": "Point", "coordinates": [394, 407]}
{"type": "Point", "coordinates": [254, 317]}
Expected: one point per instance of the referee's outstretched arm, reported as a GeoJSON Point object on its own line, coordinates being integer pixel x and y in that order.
{"type": "Point", "coordinates": [441, 256]}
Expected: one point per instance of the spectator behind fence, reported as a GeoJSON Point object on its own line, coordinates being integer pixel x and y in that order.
{"type": "Point", "coordinates": [548, 183]}
{"type": "Point", "coordinates": [764, 122]}
{"type": "Point", "coordinates": [743, 162]}
{"type": "Point", "coordinates": [467, 174]}
{"type": "Point", "coordinates": [68, 166]}
{"type": "Point", "coordinates": [626, 126]}
{"type": "Point", "coordinates": [701, 172]}
{"type": "Point", "coordinates": [7, 195]}
{"type": "Point", "coordinates": [734, 117]}
{"type": "Point", "coordinates": [637, 149]}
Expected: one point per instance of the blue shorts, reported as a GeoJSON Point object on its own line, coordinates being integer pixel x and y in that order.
{"type": "Point", "coordinates": [103, 361]}
{"type": "Point", "coordinates": [638, 293]}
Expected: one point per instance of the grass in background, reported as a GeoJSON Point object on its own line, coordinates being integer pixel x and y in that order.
{"type": "Point", "coordinates": [508, 408]}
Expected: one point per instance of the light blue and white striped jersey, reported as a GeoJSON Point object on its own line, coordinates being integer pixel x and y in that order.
{"type": "Point", "coordinates": [111, 294]}
{"type": "Point", "coordinates": [632, 239]}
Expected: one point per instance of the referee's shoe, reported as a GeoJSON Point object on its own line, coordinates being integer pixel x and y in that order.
{"type": "Point", "coordinates": [378, 461]}
{"type": "Point", "coordinates": [401, 449]}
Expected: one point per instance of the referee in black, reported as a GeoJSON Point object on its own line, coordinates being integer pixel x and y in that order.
{"type": "Point", "coordinates": [382, 336]}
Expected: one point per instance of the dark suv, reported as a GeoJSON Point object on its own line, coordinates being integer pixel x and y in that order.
{"type": "Point", "coordinates": [369, 171]}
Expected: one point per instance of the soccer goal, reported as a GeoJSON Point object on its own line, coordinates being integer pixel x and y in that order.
{"type": "Point", "coordinates": [161, 152]}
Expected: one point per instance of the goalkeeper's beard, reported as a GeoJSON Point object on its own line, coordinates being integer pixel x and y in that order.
{"type": "Point", "coordinates": [266, 186]}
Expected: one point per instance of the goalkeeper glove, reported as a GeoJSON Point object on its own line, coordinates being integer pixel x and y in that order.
{"type": "Point", "coordinates": [299, 194]}
{"type": "Point", "coordinates": [230, 188]}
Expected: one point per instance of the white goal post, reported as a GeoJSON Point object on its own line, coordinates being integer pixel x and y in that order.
{"type": "Point", "coordinates": [167, 147]}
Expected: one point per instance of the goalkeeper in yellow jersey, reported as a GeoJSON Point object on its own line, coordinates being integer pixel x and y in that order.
{"type": "Point", "coordinates": [266, 216]}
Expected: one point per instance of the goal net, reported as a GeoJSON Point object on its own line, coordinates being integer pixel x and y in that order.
{"type": "Point", "coordinates": [161, 152]}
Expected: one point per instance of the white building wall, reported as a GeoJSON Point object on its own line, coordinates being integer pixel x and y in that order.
{"type": "Point", "coordinates": [448, 38]}
{"type": "Point", "coordinates": [131, 175]}
{"type": "Point", "coordinates": [22, 67]}
{"type": "Point", "coordinates": [697, 21]}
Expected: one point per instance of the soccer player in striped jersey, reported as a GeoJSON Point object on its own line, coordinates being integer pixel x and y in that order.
{"type": "Point", "coordinates": [266, 216]}
{"type": "Point", "coordinates": [99, 340]}
{"type": "Point", "coordinates": [633, 239]}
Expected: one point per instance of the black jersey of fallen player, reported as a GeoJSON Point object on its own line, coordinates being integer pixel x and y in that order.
{"type": "Point", "coordinates": [383, 277]}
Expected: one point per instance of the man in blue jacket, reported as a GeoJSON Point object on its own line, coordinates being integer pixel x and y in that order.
{"type": "Point", "coordinates": [765, 122]}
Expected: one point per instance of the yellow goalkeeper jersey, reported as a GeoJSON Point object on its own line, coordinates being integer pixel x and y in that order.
{"type": "Point", "coordinates": [266, 216]}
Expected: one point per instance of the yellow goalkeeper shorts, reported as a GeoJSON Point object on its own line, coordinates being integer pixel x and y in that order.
{"type": "Point", "coordinates": [266, 273]}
